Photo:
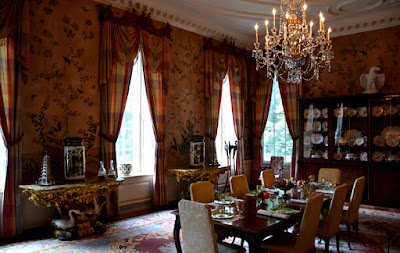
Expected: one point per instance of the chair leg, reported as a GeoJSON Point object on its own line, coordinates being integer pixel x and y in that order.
{"type": "Point", "coordinates": [348, 235]}
{"type": "Point", "coordinates": [337, 241]}
{"type": "Point", "coordinates": [242, 243]}
{"type": "Point", "coordinates": [355, 227]}
{"type": "Point", "coordinates": [326, 246]}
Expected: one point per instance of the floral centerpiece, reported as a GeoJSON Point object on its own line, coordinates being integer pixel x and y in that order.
{"type": "Point", "coordinates": [284, 185]}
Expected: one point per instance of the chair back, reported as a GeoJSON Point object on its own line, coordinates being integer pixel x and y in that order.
{"type": "Point", "coordinates": [202, 191]}
{"type": "Point", "coordinates": [239, 185]}
{"type": "Point", "coordinates": [355, 199]}
{"type": "Point", "coordinates": [309, 224]}
{"type": "Point", "coordinates": [197, 227]}
{"type": "Point", "coordinates": [268, 178]}
{"type": "Point", "coordinates": [335, 212]}
{"type": "Point", "coordinates": [277, 165]}
{"type": "Point", "coordinates": [330, 174]}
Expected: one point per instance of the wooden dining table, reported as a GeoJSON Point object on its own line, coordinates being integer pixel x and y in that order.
{"type": "Point", "coordinates": [252, 227]}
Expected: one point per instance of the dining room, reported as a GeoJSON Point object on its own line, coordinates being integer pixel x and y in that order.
{"type": "Point", "coordinates": [113, 110]}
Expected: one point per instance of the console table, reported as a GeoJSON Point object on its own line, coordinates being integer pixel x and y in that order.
{"type": "Point", "coordinates": [188, 176]}
{"type": "Point", "coordinates": [79, 199]}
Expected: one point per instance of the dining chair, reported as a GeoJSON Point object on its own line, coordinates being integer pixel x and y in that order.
{"type": "Point", "coordinates": [329, 225]}
{"type": "Point", "coordinates": [239, 185]}
{"type": "Point", "coordinates": [268, 178]}
{"type": "Point", "coordinates": [202, 191]}
{"type": "Point", "coordinates": [304, 241]}
{"type": "Point", "coordinates": [198, 231]}
{"type": "Point", "coordinates": [350, 216]}
{"type": "Point", "coordinates": [330, 174]}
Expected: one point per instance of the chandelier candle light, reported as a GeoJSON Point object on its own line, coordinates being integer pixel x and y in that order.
{"type": "Point", "coordinates": [293, 52]}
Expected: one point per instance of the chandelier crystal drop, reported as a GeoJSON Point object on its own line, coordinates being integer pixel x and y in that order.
{"type": "Point", "coordinates": [292, 53]}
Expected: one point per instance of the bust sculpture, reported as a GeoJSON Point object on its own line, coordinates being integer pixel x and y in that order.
{"type": "Point", "coordinates": [372, 81]}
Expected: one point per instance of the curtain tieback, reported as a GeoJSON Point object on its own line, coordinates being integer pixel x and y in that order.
{"type": "Point", "coordinates": [212, 138]}
{"type": "Point", "coordinates": [160, 140]}
{"type": "Point", "coordinates": [11, 144]}
{"type": "Point", "coordinates": [108, 138]}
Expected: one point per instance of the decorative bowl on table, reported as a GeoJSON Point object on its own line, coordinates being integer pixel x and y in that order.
{"type": "Point", "coordinates": [284, 185]}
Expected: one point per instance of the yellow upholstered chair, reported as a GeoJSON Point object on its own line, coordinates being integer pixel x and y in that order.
{"type": "Point", "coordinates": [329, 226]}
{"type": "Point", "coordinates": [198, 229]}
{"type": "Point", "coordinates": [239, 185]}
{"type": "Point", "coordinates": [350, 216]}
{"type": "Point", "coordinates": [202, 191]}
{"type": "Point", "coordinates": [268, 178]}
{"type": "Point", "coordinates": [304, 241]}
{"type": "Point", "coordinates": [330, 174]}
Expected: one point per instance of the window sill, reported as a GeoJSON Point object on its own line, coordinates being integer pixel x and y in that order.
{"type": "Point", "coordinates": [136, 175]}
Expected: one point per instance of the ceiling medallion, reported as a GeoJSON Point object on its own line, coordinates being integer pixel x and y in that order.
{"type": "Point", "coordinates": [292, 53]}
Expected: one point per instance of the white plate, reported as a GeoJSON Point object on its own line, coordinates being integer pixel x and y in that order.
{"type": "Point", "coordinates": [359, 141]}
{"type": "Point", "coordinates": [325, 126]}
{"type": "Point", "coordinates": [350, 136]}
{"type": "Point", "coordinates": [283, 211]}
{"type": "Point", "coordinates": [326, 140]}
{"type": "Point", "coordinates": [317, 126]}
{"type": "Point", "coordinates": [224, 201]}
{"type": "Point", "coordinates": [325, 155]}
{"type": "Point", "coordinates": [317, 138]}
{"type": "Point", "coordinates": [222, 215]}
{"type": "Point", "coordinates": [362, 111]}
{"type": "Point", "coordinates": [317, 113]}
{"type": "Point", "coordinates": [340, 112]}
{"type": "Point", "coordinates": [364, 156]}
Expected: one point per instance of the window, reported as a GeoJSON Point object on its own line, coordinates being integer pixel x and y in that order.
{"type": "Point", "coordinates": [226, 129]}
{"type": "Point", "coordinates": [276, 138]}
{"type": "Point", "coordinates": [136, 141]}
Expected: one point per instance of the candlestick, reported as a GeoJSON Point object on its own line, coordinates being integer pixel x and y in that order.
{"type": "Point", "coordinates": [304, 13]}
{"type": "Point", "coordinates": [266, 42]}
{"type": "Point", "coordinates": [323, 23]}
{"type": "Point", "coordinates": [311, 25]}
{"type": "Point", "coordinates": [256, 27]}
{"type": "Point", "coordinates": [329, 31]}
{"type": "Point", "coordinates": [320, 21]}
{"type": "Point", "coordinates": [274, 12]}
{"type": "Point", "coordinates": [266, 27]}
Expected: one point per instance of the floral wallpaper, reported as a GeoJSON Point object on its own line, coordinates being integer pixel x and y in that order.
{"type": "Point", "coordinates": [355, 55]}
{"type": "Point", "coordinates": [61, 96]}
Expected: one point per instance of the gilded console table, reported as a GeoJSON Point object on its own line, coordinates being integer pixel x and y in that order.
{"type": "Point", "coordinates": [188, 176]}
{"type": "Point", "coordinates": [81, 196]}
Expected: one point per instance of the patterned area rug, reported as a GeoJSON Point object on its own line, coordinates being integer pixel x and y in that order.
{"type": "Point", "coordinates": [153, 233]}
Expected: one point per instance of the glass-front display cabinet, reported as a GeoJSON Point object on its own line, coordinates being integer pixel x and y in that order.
{"type": "Point", "coordinates": [358, 134]}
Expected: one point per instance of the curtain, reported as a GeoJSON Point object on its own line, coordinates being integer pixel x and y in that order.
{"type": "Point", "coordinates": [261, 104]}
{"type": "Point", "coordinates": [219, 60]}
{"type": "Point", "coordinates": [120, 42]}
{"type": "Point", "coordinates": [290, 106]}
{"type": "Point", "coordinates": [14, 62]}
{"type": "Point", "coordinates": [237, 82]}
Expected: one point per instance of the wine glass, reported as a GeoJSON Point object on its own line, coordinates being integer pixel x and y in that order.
{"type": "Point", "coordinates": [272, 198]}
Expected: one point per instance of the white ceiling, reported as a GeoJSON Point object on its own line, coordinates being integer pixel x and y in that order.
{"type": "Point", "coordinates": [234, 20]}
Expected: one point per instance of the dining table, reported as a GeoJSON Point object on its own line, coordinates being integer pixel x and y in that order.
{"type": "Point", "coordinates": [257, 221]}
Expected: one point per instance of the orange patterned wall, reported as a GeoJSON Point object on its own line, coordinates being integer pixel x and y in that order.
{"type": "Point", "coordinates": [355, 55]}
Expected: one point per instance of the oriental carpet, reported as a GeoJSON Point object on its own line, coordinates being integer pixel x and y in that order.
{"type": "Point", "coordinates": [153, 233]}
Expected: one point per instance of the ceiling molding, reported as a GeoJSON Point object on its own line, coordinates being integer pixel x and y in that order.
{"type": "Point", "coordinates": [233, 20]}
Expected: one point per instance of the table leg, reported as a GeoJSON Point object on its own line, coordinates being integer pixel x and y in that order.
{"type": "Point", "coordinates": [177, 228]}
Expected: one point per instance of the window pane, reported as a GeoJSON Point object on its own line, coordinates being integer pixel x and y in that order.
{"type": "Point", "coordinates": [226, 129]}
{"type": "Point", "coordinates": [136, 141]}
{"type": "Point", "coordinates": [277, 140]}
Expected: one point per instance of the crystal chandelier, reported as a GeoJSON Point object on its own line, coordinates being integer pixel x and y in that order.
{"type": "Point", "coordinates": [292, 53]}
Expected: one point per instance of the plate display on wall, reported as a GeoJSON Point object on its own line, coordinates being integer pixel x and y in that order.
{"type": "Point", "coordinates": [317, 138]}
{"type": "Point", "coordinates": [379, 141]}
{"type": "Point", "coordinates": [324, 113]}
{"type": "Point", "coordinates": [364, 156]}
{"type": "Point", "coordinates": [362, 111]}
{"type": "Point", "coordinates": [325, 126]}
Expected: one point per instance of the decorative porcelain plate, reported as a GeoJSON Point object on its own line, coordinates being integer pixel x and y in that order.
{"type": "Point", "coordinates": [325, 155]}
{"type": "Point", "coordinates": [364, 156]}
{"type": "Point", "coordinates": [338, 156]}
{"type": "Point", "coordinates": [359, 141]}
{"type": "Point", "coordinates": [317, 138]}
{"type": "Point", "coordinates": [351, 112]}
{"type": "Point", "coordinates": [307, 140]}
{"type": "Point", "coordinates": [284, 210]}
{"type": "Point", "coordinates": [362, 111]}
{"type": "Point", "coordinates": [307, 153]}
{"type": "Point", "coordinates": [351, 135]}
{"type": "Point", "coordinates": [378, 156]}
{"type": "Point", "coordinates": [377, 111]}
{"type": "Point", "coordinates": [392, 141]}
{"type": "Point", "coordinates": [317, 125]}
{"type": "Point", "coordinates": [308, 126]}
{"type": "Point", "coordinates": [392, 110]}
{"type": "Point", "coordinates": [306, 113]}
{"type": "Point", "coordinates": [379, 141]}
{"type": "Point", "coordinates": [317, 113]}
{"type": "Point", "coordinates": [325, 126]}
{"type": "Point", "coordinates": [324, 113]}
{"type": "Point", "coordinates": [340, 112]}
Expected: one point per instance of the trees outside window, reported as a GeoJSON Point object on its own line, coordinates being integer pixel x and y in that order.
{"type": "Point", "coordinates": [276, 138]}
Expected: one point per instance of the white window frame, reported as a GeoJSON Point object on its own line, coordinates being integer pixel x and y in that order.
{"type": "Point", "coordinates": [226, 128]}
{"type": "Point", "coordinates": [138, 167]}
{"type": "Point", "coordinates": [3, 162]}
{"type": "Point", "coordinates": [273, 113]}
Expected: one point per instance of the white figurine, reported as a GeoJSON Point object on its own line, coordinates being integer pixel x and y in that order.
{"type": "Point", "coordinates": [372, 81]}
{"type": "Point", "coordinates": [65, 224]}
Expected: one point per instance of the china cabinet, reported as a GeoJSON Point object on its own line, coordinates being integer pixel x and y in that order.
{"type": "Point", "coordinates": [359, 134]}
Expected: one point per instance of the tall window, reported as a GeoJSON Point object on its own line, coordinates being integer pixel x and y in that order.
{"type": "Point", "coordinates": [276, 139]}
{"type": "Point", "coordinates": [226, 129]}
{"type": "Point", "coordinates": [136, 142]}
